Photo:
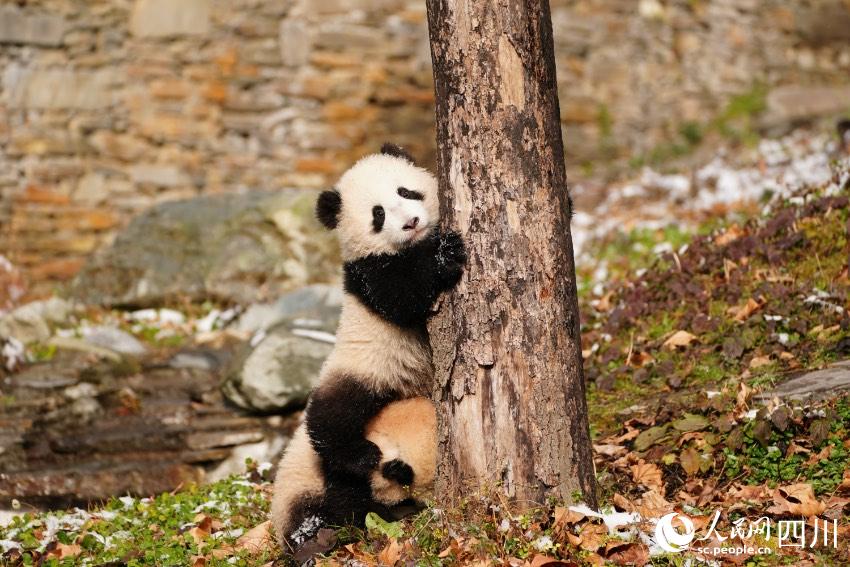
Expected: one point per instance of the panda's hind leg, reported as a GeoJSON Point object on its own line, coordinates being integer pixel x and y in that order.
{"type": "Point", "coordinates": [348, 500]}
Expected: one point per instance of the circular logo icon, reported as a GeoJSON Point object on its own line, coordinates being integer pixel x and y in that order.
{"type": "Point", "coordinates": [669, 538]}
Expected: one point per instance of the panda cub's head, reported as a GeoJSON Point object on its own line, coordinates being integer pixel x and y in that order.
{"type": "Point", "coordinates": [382, 204]}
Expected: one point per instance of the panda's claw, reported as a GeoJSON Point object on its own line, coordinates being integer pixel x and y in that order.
{"type": "Point", "coordinates": [398, 471]}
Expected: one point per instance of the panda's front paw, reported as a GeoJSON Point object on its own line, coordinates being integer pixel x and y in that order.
{"type": "Point", "coordinates": [398, 471]}
{"type": "Point", "coordinates": [452, 248]}
{"type": "Point", "coordinates": [451, 258]}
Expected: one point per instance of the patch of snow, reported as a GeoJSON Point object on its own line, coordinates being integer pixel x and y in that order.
{"type": "Point", "coordinates": [543, 543]}
{"type": "Point", "coordinates": [321, 336]}
{"type": "Point", "coordinates": [257, 338]}
{"type": "Point", "coordinates": [158, 316]}
{"type": "Point", "coordinates": [307, 529]}
{"type": "Point", "coordinates": [612, 520]}
{"type": "Point", "coordinates": [13, 353]}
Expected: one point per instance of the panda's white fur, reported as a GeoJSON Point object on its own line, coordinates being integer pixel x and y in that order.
{"type": "Point", "coordinates": [375, 179]}
{"type": "Point", "coordinates": [405, 430]}
{"type": "Point", "coordinates": [378, 351]}
{"type": "Point", "coordinates": [378, 356]}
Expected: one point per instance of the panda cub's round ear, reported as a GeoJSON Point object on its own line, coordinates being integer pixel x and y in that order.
{"type": "Point", "coordinates": [328, 207]}
{"type": "Point", "coordinates": [397, 151]}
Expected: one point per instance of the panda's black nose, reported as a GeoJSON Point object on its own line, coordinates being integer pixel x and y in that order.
{"type": "Point", "coordinates": [411, 224]}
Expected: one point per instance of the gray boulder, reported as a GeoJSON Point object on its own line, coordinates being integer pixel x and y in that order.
{"type": "Point", "coordinates": [114, 339]}
{"type": "Point", "coordinates": [239, 248]}
{"type": "Point", "coordinates": [32, 322]}
{"type": "Point", "coordinates": [292, 337]}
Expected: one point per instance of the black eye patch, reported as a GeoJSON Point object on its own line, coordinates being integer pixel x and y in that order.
{"type": "Point", "coordinates": [378, 216]}
{"type": "Point", "coordinates": [409, 194]}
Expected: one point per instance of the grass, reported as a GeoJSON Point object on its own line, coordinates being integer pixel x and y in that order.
{"type": "Point", "coordinates": [168, 529]}
{"type": "Point", "coordinates": [793, 265]}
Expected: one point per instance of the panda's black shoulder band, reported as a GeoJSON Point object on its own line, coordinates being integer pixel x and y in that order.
{"type": "Point", "coordinates": [402, 287]}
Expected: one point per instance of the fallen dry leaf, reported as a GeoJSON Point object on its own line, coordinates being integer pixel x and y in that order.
{"type": "Point", "coordinates": [742, 399]}
{"type": "Point", "coordinates": [626, 553]}
{"type": "Point", "coordinates": [845, 482]}
{"type": "Point", "coordinates": [647, 474]}
{"type": "Point", "coordinates": [565, 517]}
{"type": "Point", "coordinates": [734, 232]}
{"type": "Point", "coordinates": [198, 535]}
{"type": "Point", "coordinates": [627, 436]}
{"type": "Point", "coordinates": [679, 339]}
{"type": "Point", "coordinates": [758, 361]}
{"type": "Point", "coordinates": [690, 461]}
{"type": "Point", "coordinates": [256, 540]}
{"type": "Point", "coordinates": [391, 553]}
{"type": "Point", "coordinates": [796, 500]}
{"type": "Point", "coordinates": [198, 561]}
{"type": "Point", "coordinates": [653, 505]}
{"type": "Point", "coordinates": [622, 503]}
{"type": "Point", "coordinates": [609, 449]}
{"type": "Point", "coordinates": [546, 561]}
{"type": "Point", "coordinates": [754, 493]}
{"type": "Point", "coordinates": [61, 550]}
{"type": "Point", "coordinates": [592, 536]}
{"type": "Point", "coordinates": [743, 312]}
{"type": "Point", "coordinates": [640, 359]}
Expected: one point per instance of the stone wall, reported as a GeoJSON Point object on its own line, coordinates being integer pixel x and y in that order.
{"type": "Point", "coordinates": [110, 106]}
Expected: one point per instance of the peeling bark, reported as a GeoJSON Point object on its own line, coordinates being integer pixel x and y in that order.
{"type": "Point", "coordinates": [506, 343]}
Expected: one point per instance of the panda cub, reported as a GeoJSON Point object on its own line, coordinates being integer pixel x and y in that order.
{"type": "Point", "coordinates": [406, 433]}
{"type": "Point", "coordinates": [396, 263]}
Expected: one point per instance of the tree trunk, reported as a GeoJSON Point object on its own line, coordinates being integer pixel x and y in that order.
{"type": "Point", "coordinates": [507, 347]}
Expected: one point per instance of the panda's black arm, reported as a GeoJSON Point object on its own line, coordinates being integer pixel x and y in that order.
{"type": "Point", "coordinates": [336, 419]}
{"type": "Point", "coordinates": [403, 287]}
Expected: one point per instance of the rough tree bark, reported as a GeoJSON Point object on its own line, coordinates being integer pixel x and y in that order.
{"type": "Point", "coordinates": [507, 349]}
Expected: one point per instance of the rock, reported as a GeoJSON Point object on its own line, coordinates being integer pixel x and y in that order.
{"type": "Point", "coordinates": [31, 27]}
{"type": "Point", "coordinates": [52, 89]}
{"type": "Point", "coordinates": [31, 322]}
{"type": "Point", "coordinates": [92, 189]}
{"type": "Point", "coordinates": [292, 337]}
{"type": "Point", "coordinates": [158, 175]}
{"type": "Point", "coordinates": [295, 42]}
{"type": "Point", "coordinates": [278, 373]}
{"type": "Point", "coordinates": [816, 384]}
{"type": "Point", "coordinates": [114, 339]}
{"type": "Point", "coordinates": [71, 343]}
{"type": "Point", "coordinates": [239, 248]}
{"type": "Point", "coordinates": [199, 360]}
{"type": "Point", "coordinates": [319, 303]}
{"type": "Point", "coordinates": [793, 103]}
{"type": "Point", "coordinates": [267, 451]}
{"type": "Point", "coordinates": [824, 22]}
{"type": "Point", "coordinates": [166, 18]}
{"type": "Point", "coordinates": [12, 287]}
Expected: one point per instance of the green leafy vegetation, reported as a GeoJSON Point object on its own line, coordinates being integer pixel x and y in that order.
{"type": "Point", "coordinates": [169, 529]}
